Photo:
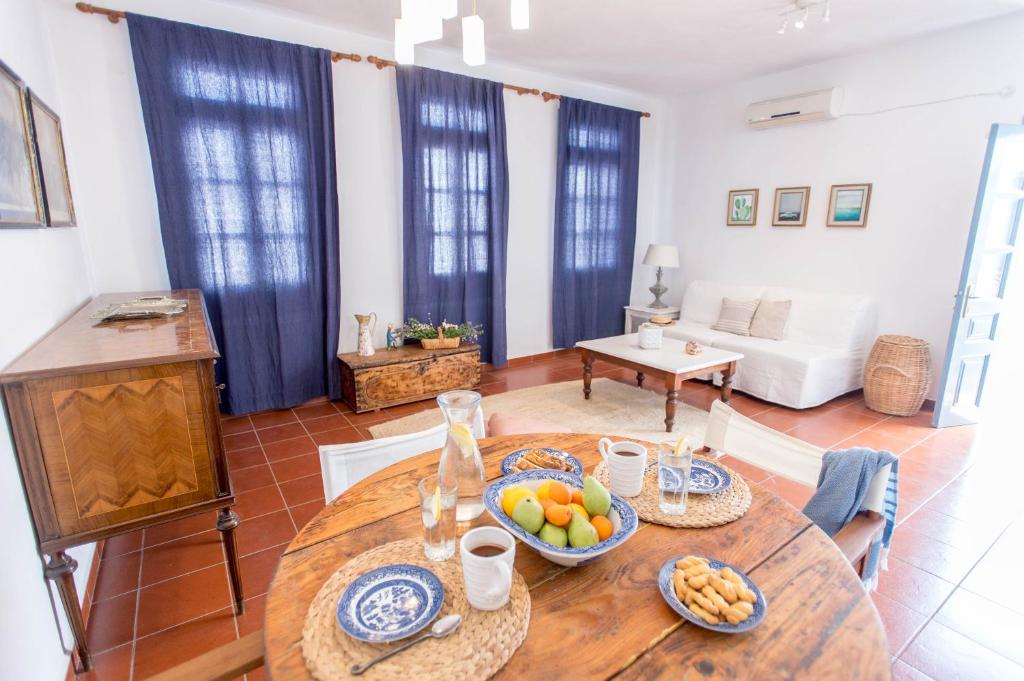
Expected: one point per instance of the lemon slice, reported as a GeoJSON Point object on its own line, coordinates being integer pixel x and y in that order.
{"type": "Point", "coordinates": [437, 503]}
{"type": "Point", "coordinates": [680, 446]}
{"type": "Point", "coordinates": [463, 437]}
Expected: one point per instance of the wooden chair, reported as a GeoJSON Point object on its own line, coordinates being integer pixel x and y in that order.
{"type": "Point", "coordinates": [732, 433]}
{"type": "Point", "coordinates": [225, 663]}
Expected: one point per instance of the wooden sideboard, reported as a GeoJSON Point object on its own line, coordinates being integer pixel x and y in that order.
{"type": "Point", "coordinates": [406, 374]}
{"type": "Point", "coordinates": [117, 428]}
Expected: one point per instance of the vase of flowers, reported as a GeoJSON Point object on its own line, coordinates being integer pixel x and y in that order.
{"type": "Point", "coordinates": [443, 335]}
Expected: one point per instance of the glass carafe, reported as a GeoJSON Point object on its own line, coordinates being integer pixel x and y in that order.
{"type": "Point", "coordinates": [460, 458]}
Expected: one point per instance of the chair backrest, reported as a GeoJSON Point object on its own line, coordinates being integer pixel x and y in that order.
{"type": "Point", "coordinates": [344, 465]}
{"type": "Point", "coordinates": [732, 433]}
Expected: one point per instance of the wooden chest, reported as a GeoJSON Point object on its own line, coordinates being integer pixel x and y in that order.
{"type": "Point", "coordinates": [407, 374]}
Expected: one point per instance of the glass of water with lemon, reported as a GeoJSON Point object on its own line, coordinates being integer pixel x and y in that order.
{"type": "Point", "coordinates": [674, 462]}
{"type": "Point", "coordinates": [437, 509]}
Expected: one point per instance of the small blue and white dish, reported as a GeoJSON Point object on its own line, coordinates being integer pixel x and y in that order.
{"type": "Point", "coordinates": [509, 462]}
{"type": "Point", "coordinates": [390, 603]}
{"type": "Point", "coordinates": [707, 477]}
{"type": "Point", "coordinates": [669, 594]}
{"type": "Point", "coordinates": [622, 517]}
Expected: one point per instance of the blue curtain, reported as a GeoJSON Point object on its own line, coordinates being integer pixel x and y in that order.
{"type": "Point", "coordinates": [455, 201]}
{"type": "Point", "coordinates": [241, 134]}
{"type": "Point", "coordinates": [595, 219]}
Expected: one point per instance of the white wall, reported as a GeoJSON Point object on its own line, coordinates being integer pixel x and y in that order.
{"type": "Point", "coordinates": [43, 277]}
{"type": "Point", "coordinates": [98, 80]}
{"type": "Point", "coordinates": [924, 164]}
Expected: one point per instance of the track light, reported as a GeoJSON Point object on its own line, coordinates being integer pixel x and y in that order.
{"type": "Point", "coordinates": [801, 22]}
{"type": "Point", "coordinates": [782, 28]}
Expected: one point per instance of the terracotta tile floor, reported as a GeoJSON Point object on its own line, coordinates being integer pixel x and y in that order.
{"type": "Point", "coordinates": [162, 594]}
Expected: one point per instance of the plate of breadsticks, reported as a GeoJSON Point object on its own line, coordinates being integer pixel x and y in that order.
{"type": "Point", "coordinates": [538, 458]}
{"type": "Point", "coordinates": [711, 594]}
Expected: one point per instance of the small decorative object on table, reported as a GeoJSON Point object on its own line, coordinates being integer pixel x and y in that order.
{"type": "Point", "coordinates": [391, 341]}
{"type": "Point", "coordinates": [444, 335]}
{"type": "Point", "coordinates": [141, 308]}
{"type": "Point", "coordinates": [660, 256]}
{"type": "Point", "coordinates": [694, 348]}
{"type": "Point", "coordinates": [650, 336]}
{"type": "Point", "coordinates": [367, 323]}
{"type": "Point", "coordinates": [661, 320]}
{"type": "Point", "coordinates": [897, 375]}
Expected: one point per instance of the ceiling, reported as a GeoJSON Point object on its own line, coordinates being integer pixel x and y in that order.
{"type": "Point", "coordinates": [670, 46]}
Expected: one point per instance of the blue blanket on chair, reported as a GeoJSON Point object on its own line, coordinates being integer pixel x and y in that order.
{"type": "Point", "coordinates": [843, 484]}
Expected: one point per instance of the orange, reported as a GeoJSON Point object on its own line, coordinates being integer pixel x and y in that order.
{"type": "Point", "coordinates": [578, 507]}
{"type": "Point", "coordinates": [547, 503]}
{"type": "Point", "coordinates": [603, 526]}
{"type": "Point", "coordinates": [558, 514]}
{"type": "Point", "coordinates": [577, 496]}
{"type": "Point", "coordinates": [559, 492]}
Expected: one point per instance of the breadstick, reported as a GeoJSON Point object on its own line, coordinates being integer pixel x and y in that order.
{"type": "Point", "coordinates": [698, 569]}
{"type": "Point", "coordinates": [724, 587]}
{"type": "Point", "coordinates": [679, 584]}
{"type": "Point", "coordinates": [703, 614]}
{"type": "Point", "coordinates": [698, 582]}
{"type": "Point", "coordinates": [705, 602]}
{"type": "Point", "coordinates": [716, 598]}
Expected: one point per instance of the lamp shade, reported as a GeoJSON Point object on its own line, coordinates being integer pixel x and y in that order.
{"type": "Point", "coordinates": [661, 255]}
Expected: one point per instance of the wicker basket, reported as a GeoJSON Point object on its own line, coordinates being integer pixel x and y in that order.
{"type": "Point", "coordinates": [440, 343]}
{"type": "Point", "coordinates": [897, 375]}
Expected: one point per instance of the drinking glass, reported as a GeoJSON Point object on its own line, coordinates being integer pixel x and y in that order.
{"type": "Point", "coordinates": [437, 509]}
{"type": "Point", "coordinates": [673, 477]}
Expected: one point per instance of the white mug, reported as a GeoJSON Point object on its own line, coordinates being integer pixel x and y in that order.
{"type": "Point", "coordinates": [626, 462]}
{"type": "Point", "coordinates": [488, 578]}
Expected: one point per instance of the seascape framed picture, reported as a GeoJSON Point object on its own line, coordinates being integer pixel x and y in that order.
{"type": "Point", "coordinates": [848, 205]}
{"type": "Point", "coordinates": [790, 207]}
{"type": "Point", "coordinates": [742, 208]}
{"type": "Point", "coordinates": [21, 197]}
{"type": "Point", "coordinates": [53, 167]}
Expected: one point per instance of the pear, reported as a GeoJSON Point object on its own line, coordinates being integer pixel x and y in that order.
{"type": "Point", "coordinates": [581, 533]}
{"type": "Point", "coordinates": [554, 535]}
{"type": "Point", "coordinates": [596, 498]}
{"type": "Point", "coordinates": [528, 514]}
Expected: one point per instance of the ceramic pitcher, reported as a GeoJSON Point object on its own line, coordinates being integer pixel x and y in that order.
{"type": "Point", "coordinates": [367, 323]}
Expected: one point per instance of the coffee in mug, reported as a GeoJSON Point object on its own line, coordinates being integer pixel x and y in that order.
{"type": "Point", "coordinates": [487, 557]}
{"type": "Point", "coordinates": [626, 462]}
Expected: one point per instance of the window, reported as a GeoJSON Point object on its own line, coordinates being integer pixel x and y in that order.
{"type": "Point", "coordinates": [456, 189]}
{"type": "Point", "coordinates": [592, 194]}
{"type": "Point", "coordinates": [248, 187]}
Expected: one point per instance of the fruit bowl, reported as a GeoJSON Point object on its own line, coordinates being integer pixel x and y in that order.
{"type": "Point", "coordinates": [622, 516]}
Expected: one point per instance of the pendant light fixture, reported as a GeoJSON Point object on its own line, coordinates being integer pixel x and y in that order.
{"type": "Point", "coordinates": [405, 50]}
{"type": "Point", "coordinates": [520, 15]}
{"type": "Point", "coordinates": [423, 21]}
{"type": "Point", "coordinates": [473, 51]}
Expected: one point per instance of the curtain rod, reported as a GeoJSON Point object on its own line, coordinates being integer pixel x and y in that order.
{"type": "Point", "coordinates": [548, 96]}
{"type": "Point", "coordinates": [114, 16]}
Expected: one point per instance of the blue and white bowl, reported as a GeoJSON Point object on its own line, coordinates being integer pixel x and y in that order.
{"type": "Point", "coordinates": [390, 603]}
{"type": "Point", "coordinates": [622, 517]}
{"type": "Point", "coordinates": [669, 594]}
{"type": "Point", "coordinates": [509, 462]}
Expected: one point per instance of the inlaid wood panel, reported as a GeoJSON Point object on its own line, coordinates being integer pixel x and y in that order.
{"type": "Point", "coordinates": [126, 444]}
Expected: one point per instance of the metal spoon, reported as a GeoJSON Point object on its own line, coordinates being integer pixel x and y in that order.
{"type": "Point", "coordinates": [441, 628]}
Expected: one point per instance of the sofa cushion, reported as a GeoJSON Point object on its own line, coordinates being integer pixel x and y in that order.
{"type": "Point", "coordinates": [735, 316]}
{"type": "Point", "coordinates": [506, 423]}
{"type": "Point", "coordinates": [826, 319]}
{"type": "Point", "coordinates": [687, 331]}
{"type": "Point", "coordinates": [770, 319]}
{"type": "Point", "coordinates": [703, 299]}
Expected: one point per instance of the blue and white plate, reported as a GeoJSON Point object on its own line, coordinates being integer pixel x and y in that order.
{"type": "Point", "coordinates": [621, 515]}
{"type": "Point", "coordinates": [669, 594]}
{"type": "Point", "coordinates": [509, 462]}
{"type": "Point", "coordinates": [707, 477]}
{"type": "Point", "coordinates": [390, 603]}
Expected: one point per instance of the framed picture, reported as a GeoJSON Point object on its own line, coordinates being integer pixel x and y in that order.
{"type": "Point", "coordinates": [742, 209]}
{"type": "Point", "coordinates": [848, 205]}
{"type": "Point", "coordinates": [53, 168]}
{"type": "Point", "coordinates": [21, 196]}
{"type": "Point", "coordinates": [790, 207]}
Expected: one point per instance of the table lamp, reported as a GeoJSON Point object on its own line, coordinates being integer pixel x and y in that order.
{"type": "Point", "coordinates": [660, 255]}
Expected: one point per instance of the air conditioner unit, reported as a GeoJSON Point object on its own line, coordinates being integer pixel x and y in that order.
{"type": "Point", "coordinates": [812, 106]}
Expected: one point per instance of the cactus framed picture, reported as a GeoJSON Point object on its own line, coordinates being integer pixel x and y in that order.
{"type": "Point", "coordinates": [742, 208]}
{"type": "Point", "coordinates": [848, 205]}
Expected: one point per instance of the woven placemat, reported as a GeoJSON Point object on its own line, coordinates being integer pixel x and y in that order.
{"type": "Point", "coordinates": [702, 510]}
{"type": "Point", "coordinates": [480, 647]}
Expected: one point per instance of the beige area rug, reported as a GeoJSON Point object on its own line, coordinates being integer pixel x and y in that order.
{"type": "Point", "coordinates": [614, 408]}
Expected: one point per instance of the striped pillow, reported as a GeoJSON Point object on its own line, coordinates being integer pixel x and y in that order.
{"type": "Point", "coordinates": [735, 316]}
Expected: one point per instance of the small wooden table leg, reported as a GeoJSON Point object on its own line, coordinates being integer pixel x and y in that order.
{"type": "Point", "coordinates": [588, 363]}
{"type": "Point", "coordinates": [640, 379]}
{"type": "Point", "coordinates": [727, 374]}
{"type": "Point", "coordinates": [671, 395]}
{"type": "Point", "coordinates": [227, 521]}
{"type": "Point", "coordinates": [61, 569]}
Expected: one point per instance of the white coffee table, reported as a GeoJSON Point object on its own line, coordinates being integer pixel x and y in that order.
{"type": "Point", "coordinates": [670, 363]}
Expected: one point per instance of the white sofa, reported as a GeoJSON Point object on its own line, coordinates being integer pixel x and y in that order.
{"type": "Point", "coordinates": [821, 355]}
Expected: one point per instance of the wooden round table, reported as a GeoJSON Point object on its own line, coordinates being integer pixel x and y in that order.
{"type": "Point", "coordinates": [608, 617]}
